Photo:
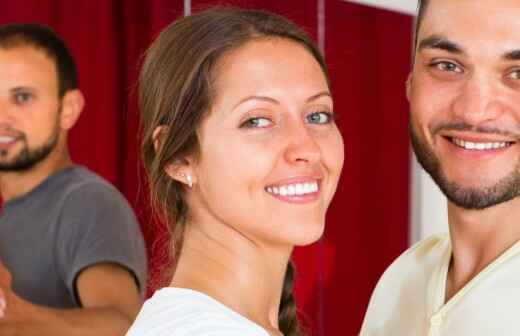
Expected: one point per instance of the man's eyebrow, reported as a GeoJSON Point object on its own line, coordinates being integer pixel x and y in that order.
{"type": "Point", "coordinates": [442, 43]}
{"type": "Point", "coordinates": [513, 55]}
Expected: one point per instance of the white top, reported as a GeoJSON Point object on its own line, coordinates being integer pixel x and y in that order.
{"type": "Point", "coordinates": [185, 312]}
{"type": "Point", "coordinates": [409, 299]}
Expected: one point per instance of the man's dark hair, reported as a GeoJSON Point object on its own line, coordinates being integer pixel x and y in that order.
{"type": "Point", "coordinates": [420, 14]}
{"type": "Point", "coordinates": [45, 39]}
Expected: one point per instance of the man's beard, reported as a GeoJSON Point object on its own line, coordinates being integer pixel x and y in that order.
{"type": "Point", "coordinates": [29, 157]}
{"type": "Point", "coordinates": [504, 190]}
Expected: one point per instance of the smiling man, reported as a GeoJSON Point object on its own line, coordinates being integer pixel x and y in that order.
{"type": "Point", "coordinates": [464, 93]}
{"type": "Point", "coordinates": [72, 259]}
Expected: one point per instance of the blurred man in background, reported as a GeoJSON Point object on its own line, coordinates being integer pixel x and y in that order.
{"type": "Point", "coordinates": [72, 256]}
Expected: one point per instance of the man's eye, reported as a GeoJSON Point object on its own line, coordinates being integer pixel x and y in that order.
{"type": "Point", "coordinates": [515, 74]}
{"type": "Point", "coordinates": [256, 123]}
{"type": "Point", "coordinates": [319, 118]}
{"type": "Point", "coordinates": [22, 97]}
{"type": "Point", "coordinates": [447, 66]}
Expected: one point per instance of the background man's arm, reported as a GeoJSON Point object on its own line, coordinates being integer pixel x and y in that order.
{"type": "Point", "coordinates": [108, 294]}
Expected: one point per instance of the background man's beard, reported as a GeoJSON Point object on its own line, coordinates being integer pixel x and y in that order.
{"type": "Point", "coordinates": [504, 190]}
{"type": "Point", "coordinates": [28, 158]}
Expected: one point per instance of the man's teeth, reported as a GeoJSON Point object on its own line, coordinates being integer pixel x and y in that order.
{"type": "Point", "coordinates": [297, 189]}
{"type": "Point", "coordinates": [479, 145]}
{"type": "Point", "coordinates": [6, 139]}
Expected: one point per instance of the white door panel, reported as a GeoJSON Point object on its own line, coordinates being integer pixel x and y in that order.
{"type": "Point", "coordinates": [402, 6]}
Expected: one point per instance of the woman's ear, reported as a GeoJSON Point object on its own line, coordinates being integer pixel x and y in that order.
{"type": "Point", "coordinates": [181, 169]}
{"type": "Point", "coordinates": [157, 136]}
{"type": "Point", "coordinates": [181, 172]}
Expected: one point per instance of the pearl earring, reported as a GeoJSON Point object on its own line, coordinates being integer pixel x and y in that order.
{"type": "Point", "coordinates": [187, 177]}
{"type": "Point", "coordinates": [190, 181]}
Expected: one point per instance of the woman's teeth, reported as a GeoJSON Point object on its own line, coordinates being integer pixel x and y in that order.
{"type": "Point", "coordinates": [293, 189]}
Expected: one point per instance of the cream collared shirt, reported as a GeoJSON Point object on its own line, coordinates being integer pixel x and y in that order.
{"type": "Point", "coordinates": [409, 298]}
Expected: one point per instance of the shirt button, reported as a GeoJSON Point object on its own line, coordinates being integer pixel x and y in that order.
{"type": "Point", "coordinates": [436, 320]}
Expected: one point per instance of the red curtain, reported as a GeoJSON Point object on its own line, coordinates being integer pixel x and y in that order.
{"type": "Point", "coordinates": [368, 52]}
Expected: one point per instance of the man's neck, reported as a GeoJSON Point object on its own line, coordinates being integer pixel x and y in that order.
{"type": "Point", "coordinates": [479, 237]}
{"type": "Point", "coordinates": [15, 184]}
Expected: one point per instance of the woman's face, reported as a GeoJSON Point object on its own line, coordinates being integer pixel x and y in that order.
{"type": "Point", "coordinates": [270, 153]}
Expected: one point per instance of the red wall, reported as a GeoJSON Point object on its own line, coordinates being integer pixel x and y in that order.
{"type": "Point", "coordinates": [368, 52]}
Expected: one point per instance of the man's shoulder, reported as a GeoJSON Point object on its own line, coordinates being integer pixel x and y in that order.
{"type": "Point", "coordinates": [412, 271]}
{"type": "Point", "coordinates": [85, 197]}
{"type": "Point", "coordinates": [421, 256]}
{"type": "Point", "coordinates": [80, 185]}
{"type": "Point", "coordinates": [427, 248]}
{"type": "Point", "coordinates": [405, 284]}
{"type": "Point", "coordinates": [81, 179]}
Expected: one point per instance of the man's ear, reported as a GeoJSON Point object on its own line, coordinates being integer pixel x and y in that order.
{"type": "Point", "coordinates": [180, 169]}
{"type": "Point", "coordinates": [72, 105]}
{"type": "Point", "coordinates": [409, 86]}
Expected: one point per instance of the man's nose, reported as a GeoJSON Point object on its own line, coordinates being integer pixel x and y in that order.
{"type": "Point", "coordinates": [481, 99]}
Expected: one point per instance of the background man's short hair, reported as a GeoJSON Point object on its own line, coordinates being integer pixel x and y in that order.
{"type": "Point", "coordinates": [45, 39]}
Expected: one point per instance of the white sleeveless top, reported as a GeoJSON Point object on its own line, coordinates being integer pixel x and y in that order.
{"type": "Point", "coordinates": [185, 312]}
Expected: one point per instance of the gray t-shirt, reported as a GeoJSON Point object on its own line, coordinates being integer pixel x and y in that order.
{"type": "Point", "coordinates": [72, 220]}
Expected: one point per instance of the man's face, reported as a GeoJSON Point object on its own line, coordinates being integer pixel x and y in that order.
{"type": "Point", "coordinates": [465, 99]}
{"type": "Point", "coordinates": [29, 107]}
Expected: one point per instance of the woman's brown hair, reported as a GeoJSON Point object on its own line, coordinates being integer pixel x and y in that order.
{"type": "Point", "coordinates": [175, 92]}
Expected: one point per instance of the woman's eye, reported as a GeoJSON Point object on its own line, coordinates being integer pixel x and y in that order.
{"type": "Point", "coordinates": [256, 123]}
{"type": "Point", "coordinates": [447, 66]}
{"type": "Point", "coordinates": [319, 118]}
{"type": "Point", "coordinates": [22, 97]}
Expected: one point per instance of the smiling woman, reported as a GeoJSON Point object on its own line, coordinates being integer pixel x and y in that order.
{"type": "Point", "coordinates": [243, 158]}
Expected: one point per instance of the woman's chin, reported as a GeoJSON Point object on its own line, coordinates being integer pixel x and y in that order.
{"type": "Point", "coordinates": [309, 236]}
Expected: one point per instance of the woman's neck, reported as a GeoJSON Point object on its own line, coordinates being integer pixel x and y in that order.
{"type": "Point", "coordinates": [242, 274]}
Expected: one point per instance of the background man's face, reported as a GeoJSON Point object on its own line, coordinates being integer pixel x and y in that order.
{"type": "Point", "coordinates": [465, 99]}
{"type": "Point", "coordinates": [29, 107]}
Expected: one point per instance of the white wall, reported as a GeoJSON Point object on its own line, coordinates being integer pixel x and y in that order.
{"type": "Point", "coordinates": [427, 205]}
